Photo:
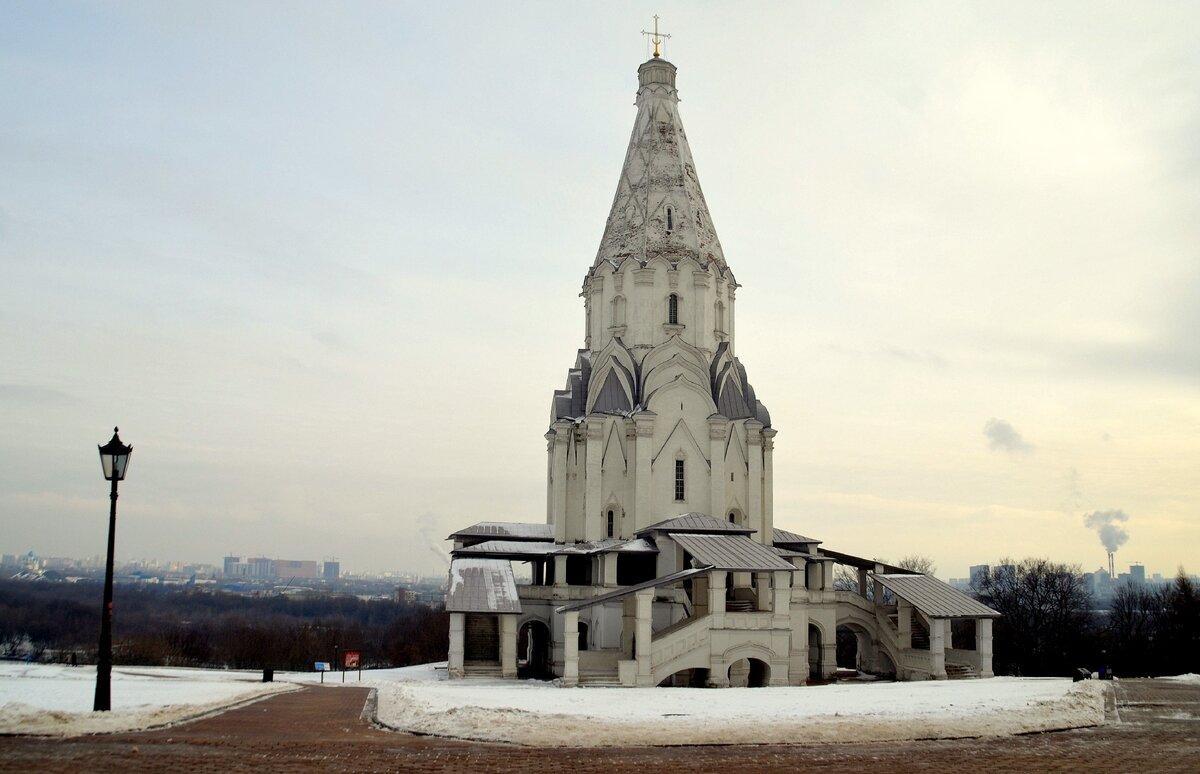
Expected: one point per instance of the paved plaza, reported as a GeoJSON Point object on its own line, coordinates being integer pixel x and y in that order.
{"type": "Point", "coordinates": [322, 729]}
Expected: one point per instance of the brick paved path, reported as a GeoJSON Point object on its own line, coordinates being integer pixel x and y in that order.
{"type": "Point", "coordinates": [318, 729]}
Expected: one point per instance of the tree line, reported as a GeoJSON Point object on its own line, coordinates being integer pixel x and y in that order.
{"type": "Point", "coordinates": [1049, 625]}
{"type": "Point", "coordinates": [173, 626]}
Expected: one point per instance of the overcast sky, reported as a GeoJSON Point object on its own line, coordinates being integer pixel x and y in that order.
{"type": "Point", "coordinates": [321, 263]}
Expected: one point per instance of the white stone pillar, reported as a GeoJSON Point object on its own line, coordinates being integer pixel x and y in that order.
{"type": "Point", "coordinates": [731, 293]}
{"type": "Point", "coordinates": [593, 529]}
{"type": "Point", "coordinates": [571, 648]}
{"type": "Point", "coordinates": [798, 652]}
{"type": "Point", "coordinates": [781, 600]}
{"type": "Point", "coordinates": [937, 648]}
{"type": "Point", "coordinates": [862, 582]}
{"type": "Point", "coordinates": [762, 591]}
{"type": "Point", "coordinates": [560, 575]}
{"type": "Point", "coordinates": [608, 562]}
{"type": "Point", "coordinates": [827, 575]}
{"type": "Point", "coordinates": [903, 624]}
{"type": "Point", "coordinates": [645, 605]}
{"type": "Point", "coordinates": [628, 625]}
{"type": "Point", "coordinates": [983, 644]}
{"type": "Point", "coordinates": [718, 428]}
{"type": "Point", "coordinates": [642, 516]}
{"type": "Point", "coordinates": [754, 483]}
{"type": "Point", "coordinates": [558, 485]}
{"type": "Point", "coordinates": [768, 525]}
{"type": "Point", "coordinates": [716, 598]}
{"type": "Point", "coordinates": [454, 667]}
{"type": "Point", "coordinates": [701, 300]}
{"type": "Point", "coordinates": [508, 646]}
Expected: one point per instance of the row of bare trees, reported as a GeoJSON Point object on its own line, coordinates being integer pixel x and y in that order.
{"type": "Point", "coordinates": [181, 627]}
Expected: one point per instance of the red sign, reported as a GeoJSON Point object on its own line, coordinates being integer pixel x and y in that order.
{"type": "Point", "coordinates": [352, 659]}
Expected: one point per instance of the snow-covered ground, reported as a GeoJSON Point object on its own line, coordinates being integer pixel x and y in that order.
{"type": "Point", "coordinates": [542, 714]}
{"type": "Point", "coordinates": [57, 700]}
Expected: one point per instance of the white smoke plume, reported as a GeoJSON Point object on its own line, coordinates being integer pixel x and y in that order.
{"type": "Point", "coordinates": [1105, 524]}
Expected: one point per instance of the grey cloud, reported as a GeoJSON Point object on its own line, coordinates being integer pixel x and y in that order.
{"type": "Point", "coordinates": [1004, 437]}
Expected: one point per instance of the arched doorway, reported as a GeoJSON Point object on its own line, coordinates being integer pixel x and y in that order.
{"type": "Point", "coordinates": [749, 673]}
{"type": "Point", "coordinates": [533, 651]}
{"type": "Point", "coordinates": [814, 652]}
{"type": "Point", "coordinates": [855, 650]}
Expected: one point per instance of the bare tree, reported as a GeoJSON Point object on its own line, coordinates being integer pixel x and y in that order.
{"type": "Point", "coordinates": [1046, 618]}
{"type": "Point", "coordinates": [918, 563]}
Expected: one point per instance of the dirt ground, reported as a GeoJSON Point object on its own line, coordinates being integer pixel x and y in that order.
{"type": "Point", "coordinates": [1156, 728]}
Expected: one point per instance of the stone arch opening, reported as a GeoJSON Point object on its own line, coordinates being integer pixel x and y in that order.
{"type": "Point", "coordinates": [855, 649]}
{"type": "Point", "coordinates": [749, 673]}
{"type": "Point", "coordinates": [814, 652]}
{"type": "Point", "coordinates": [686, 678]}
{"type": "Point", "coordinates": [533, 651]}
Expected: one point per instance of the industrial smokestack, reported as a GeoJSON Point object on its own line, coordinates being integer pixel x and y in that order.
{"type": "Point", "coordinates": [1111, 535]}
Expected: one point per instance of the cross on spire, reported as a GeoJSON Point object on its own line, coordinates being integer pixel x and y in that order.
{"type": "Point", "coordinates": [657, 36]}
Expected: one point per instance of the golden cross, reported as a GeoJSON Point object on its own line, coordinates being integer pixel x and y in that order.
{"type": "Point", "coordinates": [658, 36]}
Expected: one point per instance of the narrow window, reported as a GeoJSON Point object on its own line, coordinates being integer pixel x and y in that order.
{"type": "Point", "coordinates": [673, 309]}
{"type": "Point", "coordinates": [610, 523]}
{"type": "Point", "coordinates": [583, 636]}
{"type": "Point", "coordinates": [679, 489]}
{"type": "Point", "coordinates": [670, 219]}
{"type": "Point", "coordinates": [732, 519]}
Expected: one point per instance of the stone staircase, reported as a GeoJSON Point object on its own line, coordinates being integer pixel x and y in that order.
{"type": "Point", "coordinates": [482, 670]}
{"type": "Point", "coordinates": [960, 672]}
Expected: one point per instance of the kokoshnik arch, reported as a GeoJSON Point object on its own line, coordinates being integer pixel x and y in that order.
{"type": "Point", "coordinates": [658, 561]}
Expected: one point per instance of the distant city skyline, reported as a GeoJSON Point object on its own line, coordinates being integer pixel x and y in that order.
{"type": "Point", "coordinates": [281, 245]}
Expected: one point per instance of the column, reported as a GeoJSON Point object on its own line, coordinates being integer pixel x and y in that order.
{"type": "Point", "coordinates": [762, 591]}
{"type": "Point", "coordinates": [798, 652]}
{"type": "Point", "coordinates": [701, 301]}
{"type": "Point", "coordinates": [560, 576]}
{"type": "Point", "coordinates": [755, 481]}
{"type": "Point", "coordinates": [571, 648]}
{"type": "Point", "coordinates": [768, 485]}
{"type": "Point", "coordinates": [592, 517]}
{"type": "Point", "coordinates": [731, 293]}
{"type": "Point", "coordinates": [645, 604]}
{"type": "Point", "coordinates": [716, 598]}
{"type": "Point", "coordinates": [628, 625]}
{"type": "Point", "coordinates": [781, 601]}
{"type": "Point", "coordinates": [454, 667]}
{"type": "Point", "coordinates": [608, 563]}
{"type": "Point", "coordinates": [718, 428]}
{"type": "Point", "coordinates": [558, 486]}
{"type": "Point", "coordinates": [937, 648]}
{"type": "Point", "coordinates": [644, 423]}
{"type": "Point", "coordinates": [508, 646]}
{"type": "Point", "coordinates": [862, 582]}
{"type": "Point", "coordinates": [903, 625]}
{"type": "Point", "coordinates": [983, 644]}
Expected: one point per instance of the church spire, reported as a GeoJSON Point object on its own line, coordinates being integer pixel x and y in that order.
{"type": "Point", "coordinates": [659, 210]}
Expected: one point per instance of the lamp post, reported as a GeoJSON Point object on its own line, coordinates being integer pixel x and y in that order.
{"type": "Point", "coordinates": [114, 460]}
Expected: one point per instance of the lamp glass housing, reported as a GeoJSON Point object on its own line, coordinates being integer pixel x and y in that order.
{"type": "Point", "coordinates": [114, 458]}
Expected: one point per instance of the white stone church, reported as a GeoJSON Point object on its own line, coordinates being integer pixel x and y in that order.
{"type": "Point", "coordinates": [658, 562]}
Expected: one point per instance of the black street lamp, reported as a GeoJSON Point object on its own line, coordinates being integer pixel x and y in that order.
{"type": "Point", "coordinates": [114, 459]}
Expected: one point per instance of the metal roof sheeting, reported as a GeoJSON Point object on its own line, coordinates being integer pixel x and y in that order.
{"type": "Point", "coordinates": [695, 522]}
{"type": "Point", "coordinates": [732, 552]}
{"type": "Point", "coordinates": [482, 586]}
{"type": "Point", "coordinates": [625, 591]}
{"type": "Point", "coordinates": [509, 548]}
{"type": "Point", "coordinates": [524, 549]}
{"type": "Point", "coordinates": [508, 530]}
{"type": "Point", "coordinates": [934, 598]}
{"type": "Point", "coordinates": [783, 536]}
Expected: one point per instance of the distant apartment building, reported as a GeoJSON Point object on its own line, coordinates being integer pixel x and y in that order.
{"type": "Point", "coordinates": [265, 568]}
{"type": "Point", "coordinates": [331, 570]}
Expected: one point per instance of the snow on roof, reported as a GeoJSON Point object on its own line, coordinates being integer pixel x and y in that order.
{"type": "Point", "coordinates": [732, 552]}
{"type": "Point", "coordinates": [509, 530]}
{"type": "Point", "coordinates": [523, 548]}
{"type": "Point", "coordinates": [934, 598]}
{"type": "Point", "coordinates": [482, 586]}
{"type": "Point", "coordinates": [695, 522]}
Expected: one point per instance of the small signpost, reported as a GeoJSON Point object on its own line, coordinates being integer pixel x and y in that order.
{"type": "Point", "coordinates": [322, 667]}
{"type": "Point", "coordinates": [353, 660]}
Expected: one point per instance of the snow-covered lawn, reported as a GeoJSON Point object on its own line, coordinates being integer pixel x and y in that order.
{"type": "Point", "coordinates": [542, 714]}
{"type": "Point", "coordinates": [57, 700]}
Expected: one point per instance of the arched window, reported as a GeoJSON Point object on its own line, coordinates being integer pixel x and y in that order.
{"type": "Point", "coordinates": [611, 523]}
{"type": "Point", "coordinates": [673, 309]}
{"type": "Point", "coordinates": [680, 489]}
{"type": "Point", "coordinates": [733, 518]}
{"type": "Point", "coordinates": [618, 310]}
{"type": "Point", "coordinates": [670, 220]}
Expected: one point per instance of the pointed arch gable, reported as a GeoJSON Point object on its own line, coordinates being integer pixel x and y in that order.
{"type": "Point", "coordinates": [681, 435]}
{"type": "Point", "coordinates": [614, 449]}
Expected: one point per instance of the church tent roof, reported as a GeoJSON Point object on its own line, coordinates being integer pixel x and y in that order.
{"type": "Point", "coordinates": [934, 598]}
{"type": "Point", "coordinates": [696, 522]}
{"type": "Point", "coordinates": [732, 552]}
{"type": "Point", "coordinates": [482, 586]}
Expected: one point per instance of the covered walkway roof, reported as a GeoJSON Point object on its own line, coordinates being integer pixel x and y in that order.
{"type": "Point", "coordinates": [625, 591]}
{"type": "Point", "coordinates": [934, 598]}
